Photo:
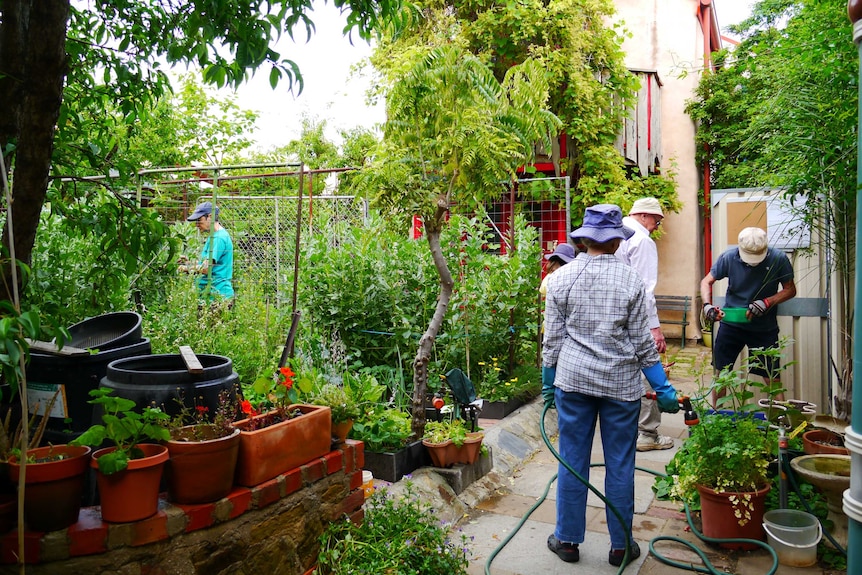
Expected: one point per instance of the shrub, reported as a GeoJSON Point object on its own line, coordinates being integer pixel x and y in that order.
{"type": "Point", "coordinates": [397, 537]}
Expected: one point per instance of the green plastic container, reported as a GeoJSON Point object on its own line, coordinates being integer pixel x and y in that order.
{"type": "Point", "coordinates": [734, 314]}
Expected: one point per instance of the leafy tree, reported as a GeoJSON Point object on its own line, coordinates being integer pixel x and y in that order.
{"type": "Point", "coordinates": [455, 134]}
{"type": "Point", "coordinates": [63, 64]}
{"type": "Point", "coordinates": [781, 112]}
{"type": "Point", "coordinates": [590, 87]}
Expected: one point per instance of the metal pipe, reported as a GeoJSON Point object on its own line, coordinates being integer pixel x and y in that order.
{"type": "Point", "coordinates": [854, 494]}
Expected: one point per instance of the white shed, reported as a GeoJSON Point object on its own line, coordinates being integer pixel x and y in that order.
{"type": "Point", "coordinates": [807, 318]}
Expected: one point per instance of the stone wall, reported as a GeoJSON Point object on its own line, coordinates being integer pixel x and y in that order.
{"type": "Point", "coordinates": [272, 528]}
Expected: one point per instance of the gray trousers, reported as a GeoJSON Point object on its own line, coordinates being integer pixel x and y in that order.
{"type": "Point", "coordinates": [650, 417]}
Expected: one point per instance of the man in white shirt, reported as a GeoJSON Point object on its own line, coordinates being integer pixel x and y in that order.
{"type": "Point", "coordinates": [641, 254]}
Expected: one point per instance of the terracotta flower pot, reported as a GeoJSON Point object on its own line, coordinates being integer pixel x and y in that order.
{"type": "Point", "coordinates": [823, 441]}
{"type": "Point", "coordinates": [341, 429]}
{"type": "Point", "coordinates": [719, 514]}
{"type": "Point", "coordinates": [54, 487]}
{"type": "Point", "coordinates": [131, 494]}
{"type": "Point", "coordinates": [269, 451]}
{"type": "Point", "coordinates": [447, 453]}
{"type": "Point", "coordinates": [201, 471]}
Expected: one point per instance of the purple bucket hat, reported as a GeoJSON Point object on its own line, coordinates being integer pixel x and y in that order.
{"type": "Point", "coordinates": [564, 251]}
{"type": "Point", "coordinates": [603, 223]}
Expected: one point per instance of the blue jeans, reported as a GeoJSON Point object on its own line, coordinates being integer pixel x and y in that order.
{"type": "Point", "coordinates": [618, 424]}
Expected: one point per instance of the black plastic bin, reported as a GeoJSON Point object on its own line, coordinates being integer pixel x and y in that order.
{"type": "Point", "coordinates": [75, 376]}
{"type": "Point", "coordinates": [164, 381]}
{"type": "Point", "coordinates": [107, 331]}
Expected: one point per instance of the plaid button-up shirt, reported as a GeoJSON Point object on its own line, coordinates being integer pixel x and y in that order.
{"type": "Point", "coordinates": [596, 328]}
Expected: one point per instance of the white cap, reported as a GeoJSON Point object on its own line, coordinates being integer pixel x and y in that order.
{"type": "Point", "coordinates": [646, 206]}
{"type": "Point", "coordinates": [752, 245]}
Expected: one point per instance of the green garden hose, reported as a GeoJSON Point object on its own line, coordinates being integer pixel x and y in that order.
{"type": "Point", "coordinates": [707, 566]}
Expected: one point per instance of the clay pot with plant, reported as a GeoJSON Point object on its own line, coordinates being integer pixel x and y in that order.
{"type": "Point", "coordinates": [343, 408]}
{"type": "Point", "coordinates": [279, 434]}
{"type": "Point", "coordinates": [448, 442]}
{"type": "Point", "coordinates": [726, 457]}
{"type": "Point", "coordinates": [203, 451]}
{"type": "Point", "coordinates": [129, 472]}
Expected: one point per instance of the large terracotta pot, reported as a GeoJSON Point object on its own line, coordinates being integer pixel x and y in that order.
{"type": "Point", "coordinates": [54, 485]}
{"type": "Point", "coordinates": [447, 453]}
{"type": "Point", "coordinates": [270, 450]}
{"type": "Point", "coordinates": [823, 441]}
{"type": "Point", "coordinates": [131, 494]}
{"type": "Point", "coordinates": [718, 513]}
{"type": "Point", "coordinates": [201, 467]}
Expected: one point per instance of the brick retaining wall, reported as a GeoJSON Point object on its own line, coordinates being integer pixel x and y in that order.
{"type": "Point", "coordinates": [272, 528]}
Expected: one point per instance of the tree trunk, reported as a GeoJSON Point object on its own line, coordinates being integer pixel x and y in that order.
{"type": "Point", "coordinates": [36, 95]}
{"type": "Point", "coordinates": [423, 355]}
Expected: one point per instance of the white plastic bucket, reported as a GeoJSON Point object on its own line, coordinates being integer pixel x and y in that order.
{"type": "Point", "coordinates": [794, 535]}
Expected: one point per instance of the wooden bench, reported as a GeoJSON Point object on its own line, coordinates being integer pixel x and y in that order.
{"type": "Point", "coordinates": [679, 305]}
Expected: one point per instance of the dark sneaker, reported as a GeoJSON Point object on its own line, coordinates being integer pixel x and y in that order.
{"type": "Point", "coordinates": [615, 557]}
{"type": "Point", "coordinates": [568, 552]}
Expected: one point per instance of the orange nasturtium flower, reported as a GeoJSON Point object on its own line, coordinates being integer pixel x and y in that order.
{"type": "Point", "coordinates": [246, 407]}
{"type": "Point", "coordinates": [287, 375]}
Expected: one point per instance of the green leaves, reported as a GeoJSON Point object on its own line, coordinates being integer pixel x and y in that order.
{"type": "Point", "coordinates": [123, 427]}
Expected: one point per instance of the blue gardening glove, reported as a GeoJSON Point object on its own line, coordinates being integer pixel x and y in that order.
{"type": "Point", "coordinates": [665, 392]}
{"type": "Point", "coordinates": [549, 374]}
{"type": "Point", "coordinates": [710, 311]}
{"type": "Point", "coordinates": [758, 308]}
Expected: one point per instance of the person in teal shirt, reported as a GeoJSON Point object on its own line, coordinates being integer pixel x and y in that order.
{"type": "Point", "coordinates": [217, 254]}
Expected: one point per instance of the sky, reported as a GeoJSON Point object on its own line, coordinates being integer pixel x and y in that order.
{"type": "Point", "coordinates": [331, 93]}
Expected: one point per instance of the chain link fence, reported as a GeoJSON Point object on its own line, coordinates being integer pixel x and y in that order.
{"type": "Point", "coordinates": [267, 228]}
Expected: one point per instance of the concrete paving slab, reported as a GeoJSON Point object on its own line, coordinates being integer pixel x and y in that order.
{"type": "Point", "coordinates": [527, 553]}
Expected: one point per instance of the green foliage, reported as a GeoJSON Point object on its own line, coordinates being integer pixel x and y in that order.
{"type": "Point", "coordinates": [452, 430]}
{"type": "Point", "coordinates": [589, 86]}
{"type": "Point", "coordinates": [381, 429]}
{"type": "Point", "coordinates": [251, 333]}
{"type": "Point", "coordinates": [98, 255]}
{"type": "Point", "coordinates": [373, 291]}
{"type": "Point", "coordinates": [123, 427]}
{"type": "Point", "coordinates": [397, 536]}
{"type": "Point", "coordinates": [781, 111]}
{"type": "Point", "coordinates": [342, 404]}
{"type": "Point", "coordinates": [723, 452]}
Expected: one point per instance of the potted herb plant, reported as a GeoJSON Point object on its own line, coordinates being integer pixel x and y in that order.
{"type": "Point", "coordinates": [726, 457]}
{"type": "Point", "coordinates": [448, 442]}
{"type": "Point", "coordinates": [389, 452]}
{"type": "Point", "coordinates": [129, 472]}
{"type": "Point", "coordinates": [203, 452]}
{"type": "Point", "coordinates": [343, 408]}
{"type": "Point", "coordinates": [278, 433]}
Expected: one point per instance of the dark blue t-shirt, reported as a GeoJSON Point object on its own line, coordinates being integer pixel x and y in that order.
{"type": "Point", "coordinates": [749, 283]}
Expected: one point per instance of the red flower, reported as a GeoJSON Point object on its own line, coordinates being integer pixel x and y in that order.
{"type": "Point", "coordinates": [287, 375]}
{"type": "Point", "coordinates": [246, 407]}
{"type": "Point", "coordinates": [202, 409]}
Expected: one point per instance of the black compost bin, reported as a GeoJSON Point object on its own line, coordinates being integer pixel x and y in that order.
{"type": "Point", "coordinates": [75, 376]}
{"type": "Point", "coordinates": [107, 331]}
{"type": "Point", "coordinates": [164, 381]}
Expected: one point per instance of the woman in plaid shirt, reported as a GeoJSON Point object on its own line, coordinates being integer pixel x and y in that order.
{"type": "Point", "coordinates": [597, 344]}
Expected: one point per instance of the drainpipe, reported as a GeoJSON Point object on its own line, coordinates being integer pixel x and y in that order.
{"type": "Point", "coordinates": [705, 13]}
{"type": "Point", "coordinates": [853, 496]}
